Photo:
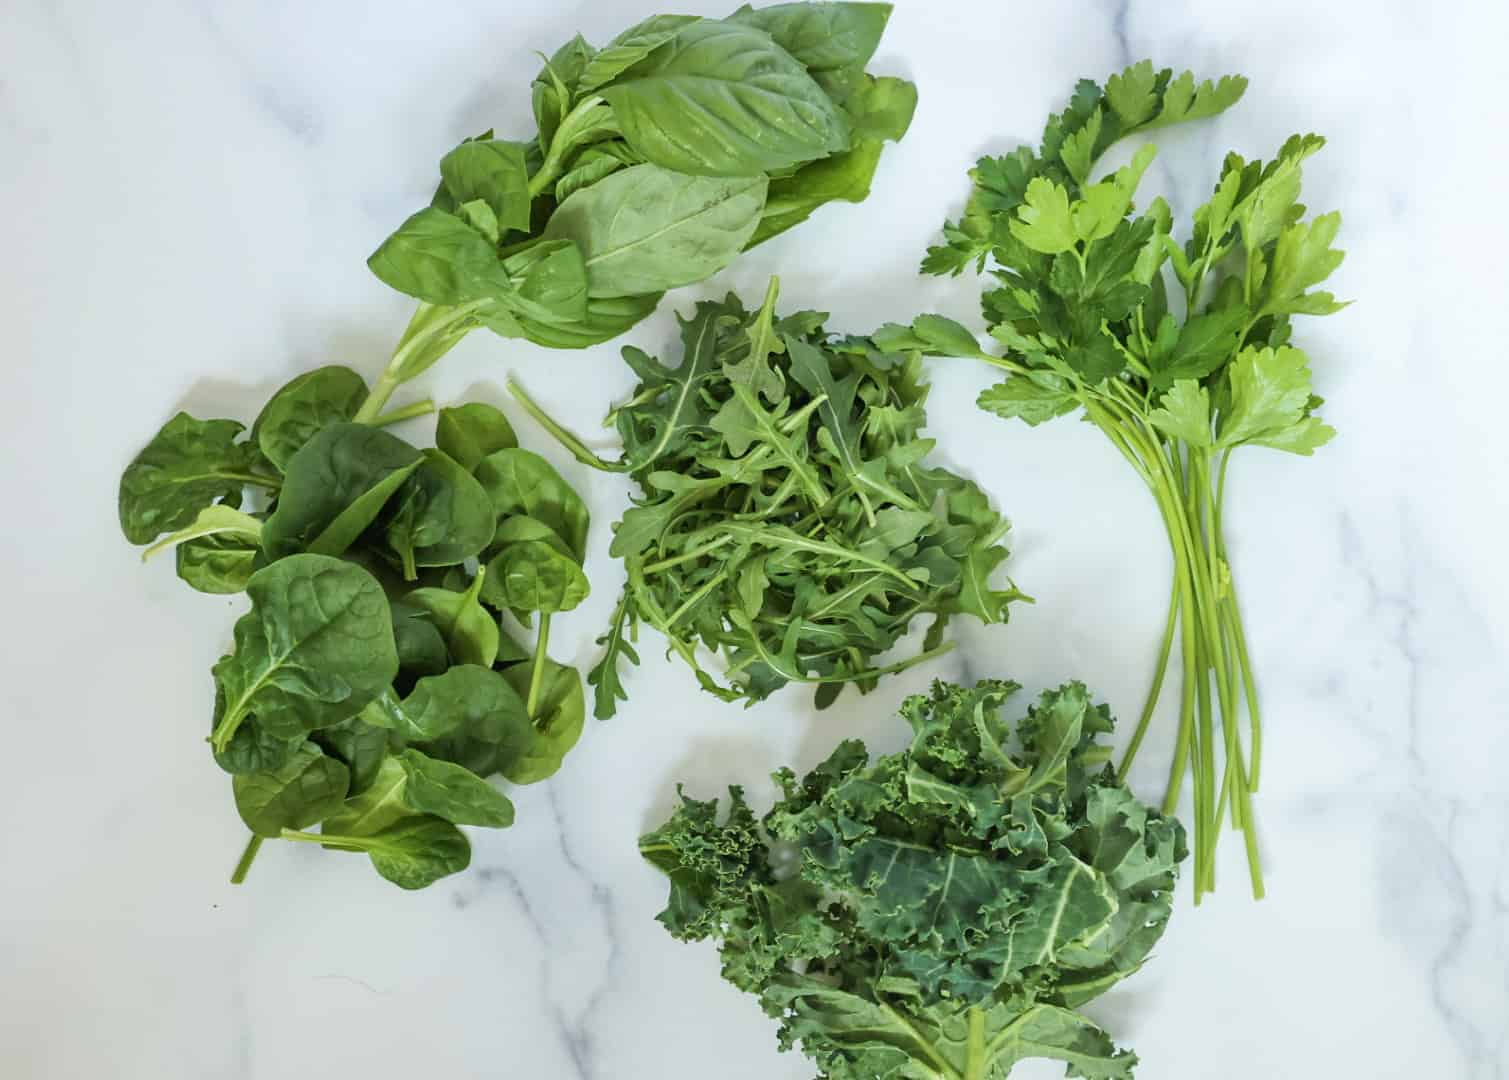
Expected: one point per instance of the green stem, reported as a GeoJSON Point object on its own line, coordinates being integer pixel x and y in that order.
{"type": "Point", "coordinates": [573, 444]}
{"type": "Point", "coordinates": [243, 864]}
{"type": "Point", "coordinates": [272, 483]}
{"type": "Point", "coordinates": [1156, 690]}
{"type": "Point", "coordinates": [406, 412]}
{"type": "Point", "coordinates": [432, 332]}
{"type": "Point", "coordinates": [976, 1062]}
{"type": "Point", "coordinates": [537, 672]}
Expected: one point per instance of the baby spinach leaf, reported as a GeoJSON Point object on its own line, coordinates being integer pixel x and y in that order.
{"type": "Point", "coordinates": [411, 853]}
{"type": "Point", "coordinates": [421, 646]}
{"type": "Point", "coordinates": [336, 485]}
{"type": "Point", "coordinates": [440, 516]}
{"type": "Point", "coordinates": [304, 406]}
{"type": "Point", "coordinates": [217, 520]}
{"type": "Point", "coordinates": [316, 646]}
{"type": "Point", "coordinates": [306, 789]}
{"type": "Point", "coordinates": [221, 563]}
{"type": "Point", "coordinates": [189, 465]}
{"type": "Point", "coordinates": [478, 716]}
{"type": "Point", "coordinates": [493, 171]}
{"type": "Point", "coordinates": [448, 791]}
{"type": "Point", "coordinates": [360, 746]}
{"type": "Point", "coordinates": [378, 806]}
{"type": "Point", "coordinates": [562, 712]}
{"type": "Point", "coordinates": [646, 229]}
{"type": "Point", "coordinates": [252, 748]}
{"type": "Point", "coordinates": [724, 100]}
{"type": "Point", "coordinates": [468, 433]}
{"type": "Point", "coordinates": [534, 577]}
{"type": "Point", "coordinates": [521, 482]}
{"type": "Point", "coordinates": [469, 629]}
{"type": "Point", "coordinates": [521, 528]}
{"type": "Point", "coordinates": [440, 259]}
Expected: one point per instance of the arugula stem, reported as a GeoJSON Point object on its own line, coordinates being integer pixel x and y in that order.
{"type": "Point", "coordinates": [405, 412]}
{"type": "Point", "coordinates": [537, 672]}
{"type": "Point", "coordinates": [243, 864]}
{"type": "Point", "coordinates": [566, 438]}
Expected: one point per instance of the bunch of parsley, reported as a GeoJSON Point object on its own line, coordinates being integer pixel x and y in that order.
{"type": "Point", "coordinates": [940, 912]}
{"type": "Point", "coordinates": [787, 517]}
{"type": "Point", "coordinates": [1180, 352]}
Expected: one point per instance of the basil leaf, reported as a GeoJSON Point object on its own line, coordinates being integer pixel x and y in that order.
{"type": "Point", "coordinates": [493, 171]}
{"type": "Point", "coordinates": [725, 100]}
{"type": "Point", "coordinates": [440, 259]}
{"type": "Point", "coordinates": [646, 229]}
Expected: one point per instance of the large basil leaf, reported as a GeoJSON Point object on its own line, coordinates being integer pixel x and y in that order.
{"type": "Point", "coordinates": [628, 48]}
{"type": "Point", "coordinates": [308, 788]}
{"type": "Point", "coordinates": [188, 465]}
{"type": "Point", "coordinates": [833, 41]}
{"type": "Point", "coordinates": [440, 516]}
{"type": "Point", "coordinates": [468, 433]}
{"type": "Point", "coordinates": [521, 482]}
{"type": "Point", "coordinates": [336, 486]}
{"type": "Point", "coordinates": [493, 171]}
{"type": "Point", "coordinates": [549, 282]}
{"type": "Point", "coordinates": [606, 318]}
{"type": "Point", "coordinates": [304, 406]}
{"type": "Point", "coordinates": [438, 258]}
{"type": "Point", "coordinates": [316, 646]}
{"type": "Point", "coordinates": [451, 792]}
{"type": "Point", "coordinates": [725, 100]}
{"type": "Point", "coordinates": [646, 229]}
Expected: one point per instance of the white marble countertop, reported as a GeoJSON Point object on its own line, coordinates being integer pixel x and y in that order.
{"type": "Point", "coordinates": [190, 191]}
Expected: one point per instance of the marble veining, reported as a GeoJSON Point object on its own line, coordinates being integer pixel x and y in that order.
{"type": "Point", "coordinates": [190, 191]}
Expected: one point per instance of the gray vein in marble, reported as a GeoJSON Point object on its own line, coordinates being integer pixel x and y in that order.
{"type": "Point", "coordinates": [292, 112]}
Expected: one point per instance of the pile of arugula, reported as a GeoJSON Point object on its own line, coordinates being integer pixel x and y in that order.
{"type": "Point", "coordinates": [657, 160]}
{"type": "Point", "coordinates": [371, 691]}
{"type": "Point", "coordinates": [941, 912]}
{"type": "Point", "coordinates": [787, 519]}
{"type": "Point", "coordinates": [1177, 370]}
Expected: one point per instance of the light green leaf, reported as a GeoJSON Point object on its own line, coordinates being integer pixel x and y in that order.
{"type": "Point", "coordinates": [1270, 391]}
{"type": "Point", "coordinates": [217, 520]}
{"type": "Point", "coordinates": [1043, 221]}
{"type": "Point", "coordinates": [1021, 398]}
{"type": "Point", "coordinates": [493, 171]}
{"type": "Point", "coordinates": [1184, 413]}
{"type": "Point", "coordinates": [448, 791]}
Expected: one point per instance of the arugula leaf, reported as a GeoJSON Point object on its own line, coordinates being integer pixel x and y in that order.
{"type": "Point", "coordinates": [941, 911]}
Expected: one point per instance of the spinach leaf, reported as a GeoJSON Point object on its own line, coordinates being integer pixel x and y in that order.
{"type": "Point", "coordinates": [477, 716]}
{"type": "Point", "coordinates": [316, 646]}
{"type": "Point", "coordinates": [360, 746]}
{"type": "Point", "coordinates": [304, 406]}
{"type": "Point", "coordinates": [534, 577]}
{"type": "Point", "coordinates": [377, 807]}
{"type": "Point", "coordinates": [252, 748]}
{"type": "Point", "coordinates": [724, 100]}
{"type": "Point", "coordinates": [336, 485]}
{"type": "Point", "coordinates": [189, 465]}
{"type": "Point", "coordinates": [411, 853]}
{"type": "Point", "coordinates": [306, 789]}
{"type": "Point", "coordinates": [470, 631]}
{"type": "Point", "coordinates": [646, 228]}
{"type": "Point", "coordinates": [468, 433]}
{"type": "Point", "coordinates": [219, 520]}
{"type": "Point", "coordinates": [421, 646]}
{"type": "Point", "coordinates": [222, 563]}
{"type": "Point", "coordinates": [521, 482]}
{"type": "Point", "coordinates": [556, 726]}
{"type": "Point", "coordinates": [448, 791]}
{"type": "Point", "coordinates": [440, 516]}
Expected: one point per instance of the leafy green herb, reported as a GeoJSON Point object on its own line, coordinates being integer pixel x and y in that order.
{"type": "Point", "coordinates": [787, 519]}
{"type": "Point", "coordinates": [371, 692]}
{"type": "Point", "coordinates": [1082, 308]}
{"type": "Point", "coordinates": [657, 160]}
{"type": "Point", "coordinates": [942, 911]}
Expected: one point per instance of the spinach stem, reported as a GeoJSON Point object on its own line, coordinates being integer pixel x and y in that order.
{"type": "Point", "coordinates": [537, 672]}
{"type": "Point", "coordinates": [405, 412]}
{"type": "Point", "coordinates": [243, 864]}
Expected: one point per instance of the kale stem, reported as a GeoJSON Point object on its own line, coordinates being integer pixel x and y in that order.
{"type": "Point", "coordinates": [975, 1064]}
{"type": "Point", "coordinates": [243, 864]}
{"type": "Point", "coordinates": [537, 673]}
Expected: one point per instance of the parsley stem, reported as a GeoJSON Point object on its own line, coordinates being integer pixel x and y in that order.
{"type": "Point", "coordinates": [1156, 690]}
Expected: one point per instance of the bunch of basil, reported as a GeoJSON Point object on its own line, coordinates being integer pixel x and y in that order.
{"type": "Point", "coordinates": [658, 159]}
{"type": "Point", "coordinates": [371, 690]}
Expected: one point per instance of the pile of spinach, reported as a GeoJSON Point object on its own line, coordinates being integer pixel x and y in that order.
{"type": "Point", "coordinates": [1180, 352]}
{"type": "Point", "coordinates": [657, 160]}
{"type": "Point", "coordinates": [372, 689]}
{"type": "Point", "coordinates": [941, 912]}
{"type": "Point", "coordinates": [787, 519]}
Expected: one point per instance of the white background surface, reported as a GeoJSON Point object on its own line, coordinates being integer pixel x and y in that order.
{"type": "Point", "coordinates": [189, 191]}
